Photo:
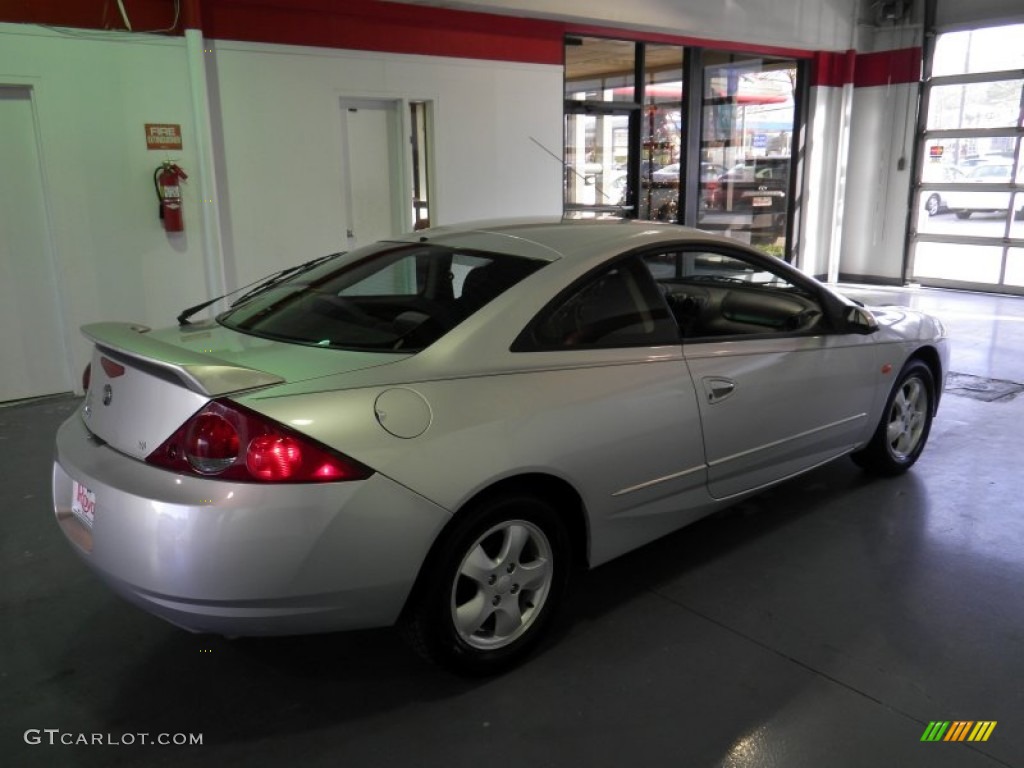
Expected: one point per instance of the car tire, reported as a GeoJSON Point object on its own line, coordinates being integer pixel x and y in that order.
{"type": "Point", "coordinates": [906, 422]}
{"type": "Point", "coordinates": [933, 204]}
{"type": "Point", "coordinates": [963, 214]}
{"type": "Point", "coordinates": [490, 590]}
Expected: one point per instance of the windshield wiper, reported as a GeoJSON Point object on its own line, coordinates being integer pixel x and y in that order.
{"type": "Point", "coordinates": [263, 284]}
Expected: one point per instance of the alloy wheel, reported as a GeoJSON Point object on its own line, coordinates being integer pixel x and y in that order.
{"type": "Point", "coordinates": [907, 418]}
{"type": "Point", "coordinates": [502, 584]}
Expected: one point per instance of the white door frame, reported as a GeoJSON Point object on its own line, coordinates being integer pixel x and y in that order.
{"type": "Point", "coordinates": [399, 154]}
{"type": "Point", "coordinates": [398, 167]}
{"type": "Point", "coordinates": [35, 90]}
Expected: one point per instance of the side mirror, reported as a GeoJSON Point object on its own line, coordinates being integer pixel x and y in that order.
{"type": "Point", "coordinates": [859, 320]}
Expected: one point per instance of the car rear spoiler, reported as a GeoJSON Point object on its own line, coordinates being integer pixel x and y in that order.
{"type": "Point", "coordinates": [201, 373]}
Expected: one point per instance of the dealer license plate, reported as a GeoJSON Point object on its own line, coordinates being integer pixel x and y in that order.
{"type": "Point", "coordinates": [761, 202]}
{"type": "Point", "coordinates": [83, 503]}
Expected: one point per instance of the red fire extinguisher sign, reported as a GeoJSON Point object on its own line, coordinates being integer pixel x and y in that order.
{"type": "Point", "coordinates": [168, 190]}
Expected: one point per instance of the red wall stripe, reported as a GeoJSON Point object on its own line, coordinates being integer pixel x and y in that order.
{"type": "Point", "coordinates": [386, 27]}
{"type": "Point", "coordinates": [143, 14]}
{"type": "Point", "coordinates": [896, 67]}
{"type": "Point", "coordinates": [377, 25]}
{"type": "Point", "coordinates": [866, 70]}
{"type": "Point", "coordinates": [832, 69]}
{"type": "Point", "coordinates": [371, 25]}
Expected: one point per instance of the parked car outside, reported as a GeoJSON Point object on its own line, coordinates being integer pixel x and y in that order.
{"type": "Point", "coordinates": [757, 185]}
{"type": "Point", "coordinates": [964, 203]}
{"type": "Point", "coordinates": [437, 430]}
{"type": "Point", "coordinates": [934, 201]}
{"type": "Point", "coordinates": [662, 188]}
{"type": "Point", "coordinates": [670, 173]}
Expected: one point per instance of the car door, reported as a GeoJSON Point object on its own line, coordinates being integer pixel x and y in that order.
{"type": "Point", "coordinates": [778, 390]}
{"type": "Point", "coordinates": [621, 419]}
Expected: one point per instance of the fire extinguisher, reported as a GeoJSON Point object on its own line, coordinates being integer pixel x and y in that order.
{"type": "Point", "coordinates": [168, 192]}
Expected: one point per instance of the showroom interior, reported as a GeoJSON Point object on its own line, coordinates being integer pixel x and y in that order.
{"type": "Point", "coordinates": [833, 619]}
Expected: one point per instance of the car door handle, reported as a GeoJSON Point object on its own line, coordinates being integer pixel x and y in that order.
{"type": "Point", "coordinates": [718, 389]}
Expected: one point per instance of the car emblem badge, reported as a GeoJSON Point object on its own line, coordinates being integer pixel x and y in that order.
{"type": "Point", "coordinates": [108, 394]}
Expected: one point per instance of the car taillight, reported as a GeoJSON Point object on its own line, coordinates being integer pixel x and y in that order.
{"type": "Point", "coordinates": [273, 458]}
{"type": "Point", "coordinates": [710, 192]}
{"type": "Point", "coordinates": [86, 377]}
{"type": "Point", "coordinates": [211, 443]}
{"type": "Point", "coordinates": [230, 442]}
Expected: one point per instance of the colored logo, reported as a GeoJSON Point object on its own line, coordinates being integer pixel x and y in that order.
{"type": "Point", "coordinates": [958, 730]}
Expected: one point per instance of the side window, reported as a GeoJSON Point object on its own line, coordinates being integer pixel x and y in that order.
{"type": "Point", "coordinates": [713, 294]}
{"type": "Point", "coordinates": [620, 306]}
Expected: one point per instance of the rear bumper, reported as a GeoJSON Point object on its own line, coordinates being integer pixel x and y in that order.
{"type": "Point", "coordinates": [241, 558]}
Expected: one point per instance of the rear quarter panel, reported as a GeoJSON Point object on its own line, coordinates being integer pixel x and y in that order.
{"type": "Point", "coordinates": [620, 426]}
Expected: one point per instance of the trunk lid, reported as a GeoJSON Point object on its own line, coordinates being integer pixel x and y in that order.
{"type": "Point", "coordinates": [145, 384]}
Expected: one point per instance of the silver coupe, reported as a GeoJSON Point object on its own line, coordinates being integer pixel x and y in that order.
{"type": "Point", "coordinates": [437, 430]}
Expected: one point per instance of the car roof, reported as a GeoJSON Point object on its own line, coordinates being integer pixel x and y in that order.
{"type": "Point", "coordinates": [556, 238]}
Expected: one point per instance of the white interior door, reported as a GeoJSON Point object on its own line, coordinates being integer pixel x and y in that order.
{"type": "Point", "coordinates": [372, 170]}
{"type": "Point", "coordinates": [32, 356]}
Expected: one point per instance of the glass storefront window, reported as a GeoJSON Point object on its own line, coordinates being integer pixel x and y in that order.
{"type": "Point", "coordinates": [596, 147]}
{"type": "Point", "coordinates": [599, 98]}
{"type": "Point", "coordinates": [643, 142]}
{"type": "Point", "coordinates": [748, 112]}
{"type": "Point", "coordinates": [661, 133]}
{"type": "Point", "coordinates": [599, 70]}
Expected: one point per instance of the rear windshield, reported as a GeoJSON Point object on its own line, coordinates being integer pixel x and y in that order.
{"type": "Point", "coordinates": [387, 296]}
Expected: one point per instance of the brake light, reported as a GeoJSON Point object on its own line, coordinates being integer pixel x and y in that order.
{"type": "Point", "coordinates": [86, 377]}
{"type": "Point", "coordinates": [273, 458]}
{"type": "Point", "coordinates": [230, 442]}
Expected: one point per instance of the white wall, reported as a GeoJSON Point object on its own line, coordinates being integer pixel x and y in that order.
{"type": "Point", "coordinates": [93, 95]}
{"type": "Point", "coordinates": [877, 187]}
{"type": "Point", "coordinates": [821, 153]}
{"type": "Point", "coordinates": [281, 195]}
{"type": "Point", "coordinates": [879, 173]}
{"type": "Point", "coordinates": [276, 120]}
{"type": "Point", "coordinates": [810, 24]}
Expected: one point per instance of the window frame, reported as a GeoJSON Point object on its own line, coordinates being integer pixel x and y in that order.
{"type": "Point", "coordinates": [831, 312]}
{"type": "Point", "coordinates": [832, 309]}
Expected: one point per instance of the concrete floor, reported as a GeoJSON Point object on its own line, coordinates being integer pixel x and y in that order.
{"type": "Point", "coordinates": [826, 622]}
